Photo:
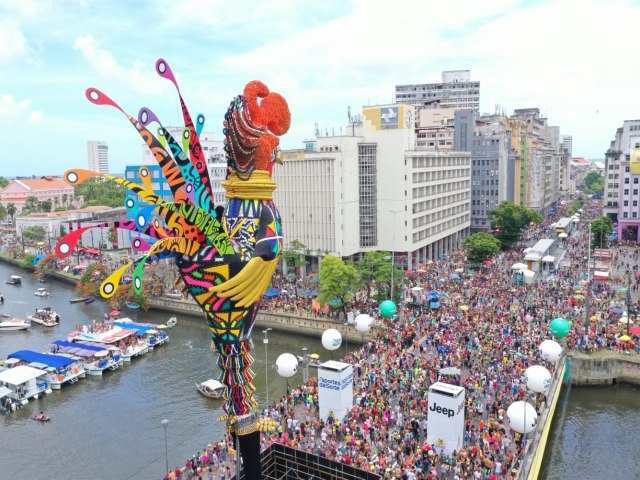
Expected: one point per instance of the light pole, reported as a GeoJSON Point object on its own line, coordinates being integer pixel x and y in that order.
{"type": "Point", "coordinates": [266, 361]}
{"type": "Point", "coordinates": [305, 365]}
{"type": "Point", "coordinates": [393, 247]}
{"type": "Point", "coordinates": [165, 422]}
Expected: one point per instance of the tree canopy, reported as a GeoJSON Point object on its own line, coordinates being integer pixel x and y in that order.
{"type": "Point", "coordinates": [34, 234]}
{"type": "Point", "coordinates": [3, 182]}
{"type": "Point", "coordinates": [481, 247]}
{"type": "Point", "coordinates": [101, 191]}
{"type": "Point", "coordinates": [295, 254]}
{"type": "Point", "coordinates": [594, 182]}
{"type": "Point", "coordinates": [509, 220]}
{"type": "Point", "coordinates": [338, 280]}
{"type": "Point", "coordinates": [601, 229]}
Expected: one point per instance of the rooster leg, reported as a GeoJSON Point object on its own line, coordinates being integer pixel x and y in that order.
{"type": "Point", "coordinates": [242, 410]}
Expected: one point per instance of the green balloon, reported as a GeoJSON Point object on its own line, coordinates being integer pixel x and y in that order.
{"type": "Point", "coordinates": [388, 309]}
{"type": "Point", "coordinates": [560, 327]}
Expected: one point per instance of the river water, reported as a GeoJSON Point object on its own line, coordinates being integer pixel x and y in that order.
{"type": "Point", "coordinates": [595, 435]}
{"type": "Point", "coordinates": [110, 427]}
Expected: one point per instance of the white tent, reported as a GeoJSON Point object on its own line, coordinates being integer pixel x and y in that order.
{"type": "Point", "coordinates": [563, 235]}
{"type": "Point", "coordinates": [518, 266]}
{"type": "Point", "coordinates": [527, 250]}
{"type": "Point", "coordinates": [548, 259]}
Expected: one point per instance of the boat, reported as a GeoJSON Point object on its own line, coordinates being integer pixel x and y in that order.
{"type": "Point", "coordinates": [47, 317]}
{"type": "Point", "coordinates": [25, 383]}
{"type": "Point", "coordinates": [78, 300]}
{"type": "Point", "coordinates": [59, 369]}
{"type": "Point", "coordinates": [133, 306]}
{"type": "Point", "coordinates": [173, 295]}
{"type": "Point", "coordinates": [90, 299]}
{"type": "Point", "coordinates": [95, 359]}
{"type": "Point", "coordinates": [13, 324]}
{"type": "Point", "coordinates": [211, 388]}
{"type": "Point", "coordinates": [147, 331]}
{"type": "Point", "coordinates": [41, 418]}
{"type": "Point", "coordinates": [14, 280]}
{"type": "Point", "coordinates": [41, 292]}
{"type": "Point", "coordinates": [172, 322]}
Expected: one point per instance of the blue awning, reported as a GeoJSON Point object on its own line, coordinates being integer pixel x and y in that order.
{"type": "Point", "coordinates": [83, 346]}
{"type": "Point", "coordinates": [142, 329]}
{"type": "Point", "coordinates": [272, 292]}
{"type": "Point", "coordinates": [55, 361]}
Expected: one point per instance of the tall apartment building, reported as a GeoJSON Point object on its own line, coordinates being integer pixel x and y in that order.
{"type": "Point", "coordinates": [622, 180]}
{"type": "Point", "coordinates": [567, 143]}
{"type": "Point", "coordinates": [456, 91]}
{"type": "Point", "coordinates": [98, 156]}
{"type": "Point", "coordinates": [373, 189]}
{"type": "Point", "coordinates": [493, 174]}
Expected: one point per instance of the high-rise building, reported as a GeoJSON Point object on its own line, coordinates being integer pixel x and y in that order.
{"type": "Point", "coordinates": [622, 181]}
{"type": "Point", "coordinates": [493, 175]}
{"type": "Point", "coordinates": [456, 91]}
{"type": "Point", "coordinates": [373, 189]}
{"type": "Point", "coordinates": [98, 156]}
{"type": "Point", "coordinates": [567, 143]}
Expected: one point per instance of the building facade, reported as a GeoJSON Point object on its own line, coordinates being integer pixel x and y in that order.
{"type": "Point", "coordinates": [456, 91]}
{"type": "Point", "coordinates": [54, 189]}
{"type": "Point", "coordinates": [98, 156]}
{"type": "Point", "coordinates": [373, 189]}
{"type": "Point", "coordinates": [622, 181]}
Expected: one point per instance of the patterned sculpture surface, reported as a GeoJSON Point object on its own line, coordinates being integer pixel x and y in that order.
{"type": "Point", "coordinates": [226, 256]}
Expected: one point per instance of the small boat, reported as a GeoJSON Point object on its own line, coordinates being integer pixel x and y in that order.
{"type": "Point", "coordinates": [25, 383]}
{"type": "Point", "coordinates": [173, 295]}
{"type": "Point", "coordinates": [13, 324]}
{"type": "Point", "coordinates": [59, 369]}
{"type": "Point", "coordinates": [133, 306]}
{"type": "Point", "coordinates": [211, 388]}
{"type": "Point", "coordinates": [78, 300]}
{"type": "Point", "coordinates": [47, 317]}
{"type": "Point", "coordinates": [14, 280]}
{"type": "Point", "coordinates": [41, 292]}
{"type": "Point", "coordinates": [41, 418]}
{"type": "Point", "coordinates": [90, 299]}
{"type": "Point", "coordinates": [172, 322]}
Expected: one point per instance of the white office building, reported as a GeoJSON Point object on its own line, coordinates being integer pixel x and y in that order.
{"type": "Point", "coordinates": [372, 189]}
{"type": "Point", "coordinates": [456, 91]}
{"type": "Point", "coordinates": [98, 156]}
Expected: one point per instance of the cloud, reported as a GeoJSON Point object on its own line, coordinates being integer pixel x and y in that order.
{"type": "Point", "coordinates": [13, 44]}
{"type": "Point", "coordinates": [141, 77]}
{"type": "Point", "coordinates": [17, 113]}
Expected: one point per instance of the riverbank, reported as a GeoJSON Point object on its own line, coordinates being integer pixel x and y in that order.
{"type": "Point", "coordinates": [603, 368]}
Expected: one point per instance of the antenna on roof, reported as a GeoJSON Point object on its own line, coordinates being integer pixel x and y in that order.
{"type": "Point", "coordinates": [349, 113]}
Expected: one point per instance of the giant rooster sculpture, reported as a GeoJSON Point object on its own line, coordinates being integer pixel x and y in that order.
{"type": "Point", "coordinates": [226, 255]}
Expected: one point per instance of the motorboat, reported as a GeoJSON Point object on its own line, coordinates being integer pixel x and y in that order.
{"type": "Point", "coordinates": [78, 300]}
{"type": "Point", "coordinates": [41, 418]}
{"type": "Point", "coordinates": [46, 317]}
{"type": "Point", "coordinates": [90, 299]}
{"type": "Point", "coordinates": [134, 350]}
{"type": "Point", "coordinates": [133, 306]}
{"type": "Point", "coordinates": [152, 336]}
{"type": "Point", "coordinates": [172, 322]}
{"type": "Point", "coordinates": [173, 295]}
{"type": "Point", "coordinates": [13, 324]}
{"type": "Point", "coordinates": [14, 280]}
{"type": "Point", "coordinates": [25, 383]}
{"type": "Point", "coordinates": [41, 292]}
{"type": "Point", "coordinates": [59, 369]}
{"type": "Point", "coordinates": [95, 359]}
{"type": "Point", "coordinates": [211, 388]}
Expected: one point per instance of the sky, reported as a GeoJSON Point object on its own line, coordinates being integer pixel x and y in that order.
{"type": "Point", "coordinates": [576, 60]}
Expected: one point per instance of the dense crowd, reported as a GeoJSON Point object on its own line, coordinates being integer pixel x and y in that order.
{"type": "Point", "coordinates": [492, 341]}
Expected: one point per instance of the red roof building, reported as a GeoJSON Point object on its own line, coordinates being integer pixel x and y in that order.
{"type": "Point", "coordinates": [44, 188]}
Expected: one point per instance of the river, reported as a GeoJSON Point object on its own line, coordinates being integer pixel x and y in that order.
{"type": "Point", "coordinates": [110, 427]}
{"type": "Point", "coordinates": [595, 435]}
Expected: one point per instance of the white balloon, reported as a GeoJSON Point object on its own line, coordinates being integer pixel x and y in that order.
{"type": "Point", "coordinates": [287, 365]}
{"type": "Point", "coordinates": [537, 378]}
{"type": "Point", "coordinates": [522, 417]}
{"type": "Point", "coordinates": [331, 339]}
{"type": "Point", "coordinates": [550, 351]}
{"type": "Point", "coordinates": [363, 323]}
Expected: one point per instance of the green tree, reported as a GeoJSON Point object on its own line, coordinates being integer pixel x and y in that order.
{"type": "Point", "coordinates": [11, 211]}
{"type": "Point", "coordinates": [34, 234]}
{"type": "Point", "coordinates": [601, 228]}
{"type": "Point", "coordinates": [44, 206]}
{"type": "Point", "coordinates": [31, 205]}
{"type": "Point", "coordinates": [295, 254]}
{"type": "Point", "coordinates": [374, 268]}
{"type": "Point", "coordinates": [594, 182]}
{"type": "Point", "coordinates": [101, 191]}
{"type": "Point", "coordinates": [3, 212]}
{"type": "Point", "coordinates": [338, 281]}
{"type": "Point", "coordinates": [481, 247]}
{"type": "Point", "coordinates": [3, 182]}
{"type": "Point", "coordinates": [509, 220]}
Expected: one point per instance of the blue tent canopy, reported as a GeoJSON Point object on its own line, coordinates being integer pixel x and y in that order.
{"type": "Point", "coordinates": [142, 329]}
{"type": "Point", "coordinates": [55, 361]}
{"type": "Point", "coordinates": [272, 292]}
{"type": "Point", "coordinates": [83, 346]}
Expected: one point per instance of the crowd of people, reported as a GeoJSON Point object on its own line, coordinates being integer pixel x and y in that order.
{"type": "Point", "coordinates": [492, 341]}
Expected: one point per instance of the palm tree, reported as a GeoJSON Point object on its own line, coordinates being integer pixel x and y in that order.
{"type": "Point", "coordinates": [11, 211]}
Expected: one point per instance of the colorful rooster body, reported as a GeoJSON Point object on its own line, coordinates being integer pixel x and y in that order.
{"type": "Point", "coordinates": [226, 257]}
